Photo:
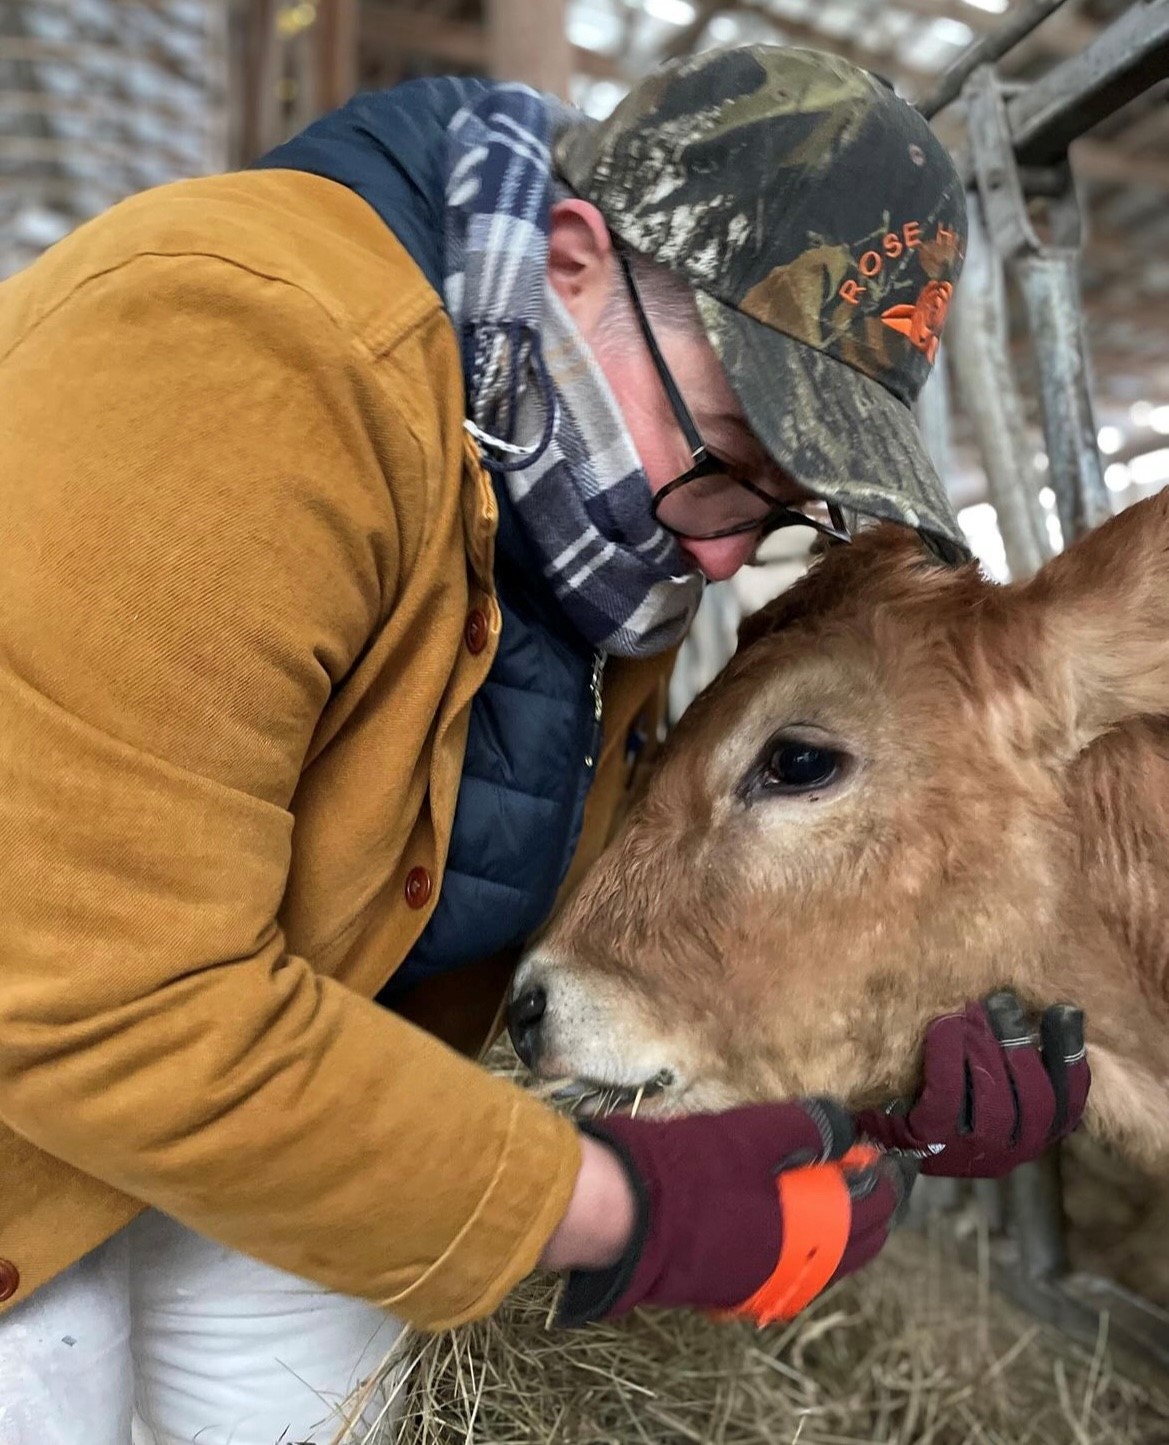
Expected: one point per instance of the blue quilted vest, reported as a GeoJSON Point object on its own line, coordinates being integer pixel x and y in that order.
{"type": "Point", "coordinates": [535, 723]}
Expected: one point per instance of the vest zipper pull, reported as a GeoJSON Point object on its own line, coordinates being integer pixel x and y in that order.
{"type": "Point", "coordinates": [595, 687]}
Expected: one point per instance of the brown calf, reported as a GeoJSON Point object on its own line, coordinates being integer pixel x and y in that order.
{"type": "Point", "coordinates": [909, 787]}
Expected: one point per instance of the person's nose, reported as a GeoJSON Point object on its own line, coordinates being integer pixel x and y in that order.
{"type": "Point", "coordinates": [721, 557]}
{"type": "Point", "coordinates": [525, 1013]}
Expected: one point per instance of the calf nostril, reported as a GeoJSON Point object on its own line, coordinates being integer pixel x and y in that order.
{"type": "Point", "coordinates": [524, 1015]}
{"type": "Point", "coordinates": [529, 1007]}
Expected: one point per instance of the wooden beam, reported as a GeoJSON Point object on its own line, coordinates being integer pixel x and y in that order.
{"type": "Point", "coordinates": [337, 29]}
{"type": "Point", "coordinates": [183, 23]}
{"type": "Point", "coordinates": [395, 33]}
{"type": "Point", "coordinates": [690, 36]}
{"type": "Point", "coordinates": [139, 161]}
{"type": "Point", "coordinates": [64, 192]}
{"type": "Point", "coordinates": [1102, 162]}
{"type": "Point", "coordinates": [1063, 33]}
{"type": "Point", "coordinates": [1148, 130]}
{"type": "Point", "coordinates": [263, 65]}
{"type": "Point", "coordinates": [800, 33]}
{"type": "Point", "coordinates": [1099, 161]}
{"type": "Point", "coordinates": [78, 53]}
{"type": "Point", "coordinates": [118, 110]}
{"type": "Point", "coordinates": [1148, 441]}
{"type": "Point", "coordinates": [529, 42]}
{"type": "Point", "coordinates": [1146, 318]}
{"type": "Point", "coordinates": [392, 33]}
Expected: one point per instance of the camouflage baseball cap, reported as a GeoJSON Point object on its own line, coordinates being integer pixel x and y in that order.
{"type": "Point", "coordinates": [823, 226]}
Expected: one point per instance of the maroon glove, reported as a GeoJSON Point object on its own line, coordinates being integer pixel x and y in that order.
{"type": "Point", "coordinates": [710, 1224]}
{"type": "Point", "coordinates": [995, 1093]}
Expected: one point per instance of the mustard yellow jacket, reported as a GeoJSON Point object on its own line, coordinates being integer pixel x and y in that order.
{"type": "Point", "coordinates": [242, 534]}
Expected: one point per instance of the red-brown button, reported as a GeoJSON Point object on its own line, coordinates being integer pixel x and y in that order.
{"type": "Point", "coordinates": [418, 886]}
{"type": "Point", "coordinates": [9, 1279]}
{"type": "Point", "coordinates": [476, 631]}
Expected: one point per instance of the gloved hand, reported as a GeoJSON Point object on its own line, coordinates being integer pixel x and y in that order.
{"type": "Point", "coordinates": [996, 1092]}
{"type": "Point", "coordinates": [717, 1204]}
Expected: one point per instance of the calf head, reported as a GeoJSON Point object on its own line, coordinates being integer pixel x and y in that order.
{"type": "Point", "coordinates": [866, 819]}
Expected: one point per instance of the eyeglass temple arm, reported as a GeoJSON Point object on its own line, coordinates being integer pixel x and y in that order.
{"type": "Point", "coordinates": [673, 395]}
{"type": "Point", "coordinates": [838, 530]}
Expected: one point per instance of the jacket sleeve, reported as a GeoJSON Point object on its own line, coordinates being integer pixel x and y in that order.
{"type": "Point", "coordinates": [195, 553]}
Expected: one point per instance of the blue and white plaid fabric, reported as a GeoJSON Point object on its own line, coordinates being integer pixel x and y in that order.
{"type": "Point", "coordinates": [536, 397]}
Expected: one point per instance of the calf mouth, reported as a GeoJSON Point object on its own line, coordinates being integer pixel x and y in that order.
{"type": "Point", "coordinates": [597, 1097]}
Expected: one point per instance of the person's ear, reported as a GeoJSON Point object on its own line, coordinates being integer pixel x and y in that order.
{"type": "Point", "coordinates": [580, 262]}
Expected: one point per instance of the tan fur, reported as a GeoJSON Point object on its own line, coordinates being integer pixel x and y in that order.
{"type": "Point", "coordinates": [1005, 821]}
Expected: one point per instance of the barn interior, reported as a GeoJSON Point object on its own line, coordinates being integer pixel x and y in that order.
{"type": "Point", "coordinates": [1048, 413]}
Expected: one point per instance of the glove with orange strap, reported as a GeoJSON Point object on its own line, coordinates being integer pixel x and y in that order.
{"type": "Point", "coordinates": [751, 1212]}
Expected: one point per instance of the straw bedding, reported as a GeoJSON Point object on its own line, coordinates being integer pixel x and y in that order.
{"type": "Point", "coordinates": [916, 1350]}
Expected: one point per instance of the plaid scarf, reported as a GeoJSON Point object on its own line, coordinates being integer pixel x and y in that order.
{"type": "Point", "coordinates": [537, 400]}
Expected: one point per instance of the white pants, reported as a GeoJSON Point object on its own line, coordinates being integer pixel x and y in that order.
{"type": "Point", "coordinates": [159, 1337]}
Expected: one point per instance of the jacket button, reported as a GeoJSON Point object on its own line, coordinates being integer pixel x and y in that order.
{"type": "Point", "coordinates": [418, 886]}
{"type": "Point", "coordinates": [476, 631]}
{"type": "Point", "coordinates": [9, 1279]}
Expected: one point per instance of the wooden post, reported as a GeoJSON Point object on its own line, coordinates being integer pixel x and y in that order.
{"type": "Point", "coordinates": [528, 41]}
{"type": "Point", "coordinates": [261, 104]}
{"type": "Point", "coordinates": [336, 52]}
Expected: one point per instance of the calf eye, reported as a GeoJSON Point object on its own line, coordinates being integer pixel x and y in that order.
{"type": "Point", "coordinates": [800, 767]}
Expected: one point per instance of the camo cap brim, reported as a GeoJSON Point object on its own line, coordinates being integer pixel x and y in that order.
{"type": "Point", "coordinates": [835, 431]}
{"type": "Point", "coordinates": [822, 226]}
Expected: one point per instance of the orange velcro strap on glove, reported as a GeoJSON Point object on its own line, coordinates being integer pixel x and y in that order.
{"type": "Point", "coordinates": [816, 1208]}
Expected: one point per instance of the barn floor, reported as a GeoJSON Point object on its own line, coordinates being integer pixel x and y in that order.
{"type": "Point", "coordinates": [917, 1352]}
{"type": "Point", "coordinates": [1118, 1219]}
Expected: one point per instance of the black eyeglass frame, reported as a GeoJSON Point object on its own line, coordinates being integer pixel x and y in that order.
{"type": "Point", "coordinates": [707, 463]}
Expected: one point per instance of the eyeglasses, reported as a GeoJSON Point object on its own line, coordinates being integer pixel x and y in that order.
{"type": "Point", "coordinates": [710, 499]}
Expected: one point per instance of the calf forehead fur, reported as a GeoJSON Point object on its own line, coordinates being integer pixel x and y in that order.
{"type": "Point", "coordinates": [1006, 822]}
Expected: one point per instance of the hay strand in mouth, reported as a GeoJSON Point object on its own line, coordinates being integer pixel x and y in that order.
{"type": "Point", "coordinates": [596, 1097]}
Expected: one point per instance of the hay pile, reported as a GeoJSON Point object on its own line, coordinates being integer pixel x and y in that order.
{"type": "Point", "coordinates": [916, 1351]}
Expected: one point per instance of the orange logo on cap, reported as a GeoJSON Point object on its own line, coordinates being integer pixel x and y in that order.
{"type": "Point", "coordinates": [923, 321]}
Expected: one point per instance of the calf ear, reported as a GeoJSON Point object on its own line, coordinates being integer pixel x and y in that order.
{"type": "Point", "coordinates": [1098, 617]}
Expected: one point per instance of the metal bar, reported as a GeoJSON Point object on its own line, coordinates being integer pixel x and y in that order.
{"type": "Point", "coordinates": [1138, 1332]}
{"type": "Point", "coordinates": [986, 51]}
{"type": "Point", "coordinates": [1131, 55]}
{"type": "Point", "coordinates": [990, 1195]}
{"type": "Point", "coordinates": [1045, 117]}
{"type": "Point", "coordinates": [979, 347]}
{"type": "Point", "coordinates": [1078, 1304]}
{"type": "Point", "coordinates": [1050, 283]}
{"type": "Point", "coordinates": [994, 170]}
{"type": "Point", "coordinates": [1035, 1204]}
{"type": "Point", "coordinates": [1048, 276]}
